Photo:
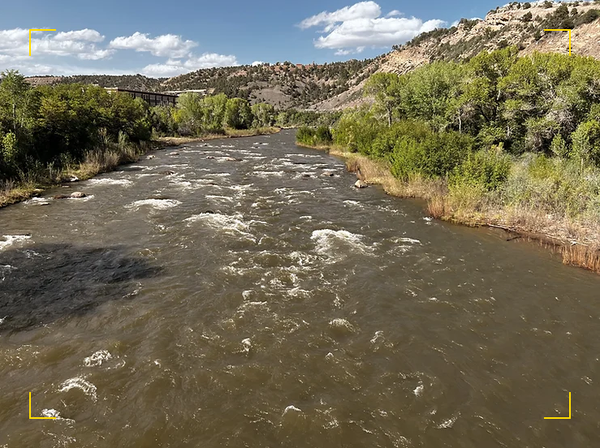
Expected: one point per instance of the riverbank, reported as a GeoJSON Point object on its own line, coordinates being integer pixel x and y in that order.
{"type": "Point", "coordinates": [576, 240]}
{"type": "Point", "coordinates": [98, 162]}
{"type": "Point", "coordinates": [229, 133]}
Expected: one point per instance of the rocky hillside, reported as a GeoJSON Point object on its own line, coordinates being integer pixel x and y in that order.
{"type": "Point", "coordinates": [339, 85]}
{"type": "Point", "coordinates": [284, 85]}
{"type": "Point", "coordinates": [519, 24]}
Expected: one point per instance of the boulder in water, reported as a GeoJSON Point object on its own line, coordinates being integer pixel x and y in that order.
{"type": "Point", "coordinates": [151, 157]}
{"type": "Point", "coordinates": [77, 195]}
{"type": "Point", "coordinates": [360, 184]}
{"type": "Point", "coordinates": [210, 157]}
{"type": "Point", "coordinates": [328, 174]}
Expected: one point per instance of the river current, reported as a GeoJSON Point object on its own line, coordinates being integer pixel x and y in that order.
{"type": "Point", "coordinates": [242, 293]}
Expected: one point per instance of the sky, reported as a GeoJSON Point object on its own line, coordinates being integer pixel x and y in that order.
{"type": "Point", "coordinates": [160, 39]}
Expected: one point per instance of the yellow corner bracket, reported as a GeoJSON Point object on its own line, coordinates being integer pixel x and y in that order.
{"type": "Point", "coordinates": [37, 418]}
{"type": "Point", "coordinates": [569, 30]}
{"type": "Point", "coordinates": [562, 418]}
{"type": "Point", "coordinates": [35, 29]}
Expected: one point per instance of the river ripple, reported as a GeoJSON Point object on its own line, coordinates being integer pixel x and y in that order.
{"type": "Point", "coordinates": [261, 303]}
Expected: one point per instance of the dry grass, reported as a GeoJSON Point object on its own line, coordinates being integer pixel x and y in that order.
{"type": "Point", "coordinates": [587, 257]}
{"type": "Point", "coordinates": [11, 193]}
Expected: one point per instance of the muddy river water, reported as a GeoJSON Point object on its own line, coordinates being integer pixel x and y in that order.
{"type": "Point", "coordinates": [192, 300]}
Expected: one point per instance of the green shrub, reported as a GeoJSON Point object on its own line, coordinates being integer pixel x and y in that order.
{"type": "Point", "coordinates": [314, 137]}
{"type": "Point", "coordinates": [386, 140]}
{"type": "Point", "coordinates": [588, 17]}
{"type": "Point", "coordinates": [486, 168]}
{"type": "Point", "coordinates": [437, 155]}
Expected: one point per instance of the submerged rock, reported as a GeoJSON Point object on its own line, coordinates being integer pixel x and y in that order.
{"type": "Point", "coordinates": [210, 157]}
{"type": "Point", "coordinates": [166, 173]}
{"type": "Point", "coordinates": [327, 174]}
{"type": "Point", "coordinates": [151, 157]}
{"type": "Point", "coordinates": [360, 184]}
{"type": "Point", "coordinates": [233, 159]}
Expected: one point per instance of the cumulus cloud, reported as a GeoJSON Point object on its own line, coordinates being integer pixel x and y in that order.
{"type": "Point", "coordinates": [80, 44]}
{"type": "Point", "coordinates": [257, 63]}
{"type": "Point", "coordinates": [175, 67]}
{"type": "Point", "coordinates": [167, 45]}
{"type": "Point", "coordinates": [57, 53]}
{"type": "Point", "coordinates": [353, 28]}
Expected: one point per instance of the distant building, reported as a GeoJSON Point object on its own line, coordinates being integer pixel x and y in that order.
{"type": "Point", "coordinates": [152, 98]}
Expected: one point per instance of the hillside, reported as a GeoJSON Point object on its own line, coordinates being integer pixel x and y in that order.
{"type": "Point", "coordinates": [338, 85]}
{"type": "Point", "coordinates": [283, 85]}
{"type": "Point", "coordinates": [519, 24]}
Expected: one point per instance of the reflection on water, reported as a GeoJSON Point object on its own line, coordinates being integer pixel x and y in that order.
{"type": "Point", "coordinates": [202, 300]}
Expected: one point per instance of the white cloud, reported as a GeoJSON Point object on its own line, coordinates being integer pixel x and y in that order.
{"type": "Point", "coordinates": [166, 45]}
{"type": "Point", "coordinates": [353, 28]}
{"type": "Point", "coordinates": [87, 45]}
{"type": "Point", "coordinates": [362, 10]}
{"type": "Point", "coordinates": [177, 67]}
{"type": "Point", "coordinates": [257, 63]}
{"type": "Point", "coordinates": [85, 35]}
{"type": "Point", "coordinates": [80, 44]}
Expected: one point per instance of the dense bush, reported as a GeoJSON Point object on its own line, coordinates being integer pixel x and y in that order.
{"type": "Point", "coordinates": [320, 136]}
{"type": "Point", "coordinates": [588, 17]}
{"type": "Point", "coordinates": [51, 125]}
{"type": "Point", "coordinates": [486, 168]}
{"type": "Point", "coordinates": [433, 155]}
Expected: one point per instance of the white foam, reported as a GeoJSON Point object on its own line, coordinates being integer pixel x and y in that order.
{"type": "Point", "coordinates": [448, 423]}
{"type": "Point", "coordinates": [327, 240]}
{"type": "Point", "coordinates": [109, 181]}
{"type": "Point", "coordinates": [159, 204]}
{"type": "Point", "coordinates": [406, 240]}
{"type": "Point", "coordinates": [418, 390]}
{"type": "Point", "coordinates": [37, 201]}
{"type": "Point", "coordinates": [355, 203]}
{"type": "Point", "coordinates": [219, 198]}
{"type": "Point", "coordinates": [246, 345]}
{"type": "Point", "coordinates": [97, 358]}
{"type": "Point", "coordinates": [9, 240]}
{"type": "Point", "coordinates": [342, 325]}
{"type": "Point", "coordinates": [79, 383]}
{"type": "Point", "coordinates": [225, 223]}
{"type": "Point", "coordinates": [268, 173]}
{"type": "Point", "coordinates": [291, 408]}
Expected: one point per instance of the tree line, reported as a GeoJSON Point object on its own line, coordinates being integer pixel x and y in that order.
{"type": "Point", "coordinates": [525, 130]}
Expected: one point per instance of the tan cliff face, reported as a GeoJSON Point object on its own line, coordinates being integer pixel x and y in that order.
{"type": "Point", "coordinates": [507, 25]}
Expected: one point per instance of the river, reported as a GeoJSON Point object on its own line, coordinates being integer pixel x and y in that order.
{"type": "Point", "coordinates": [192, 300]}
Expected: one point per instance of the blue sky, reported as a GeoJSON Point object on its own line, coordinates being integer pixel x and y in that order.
{"type": "Point", "coordinates": [159, 38]}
